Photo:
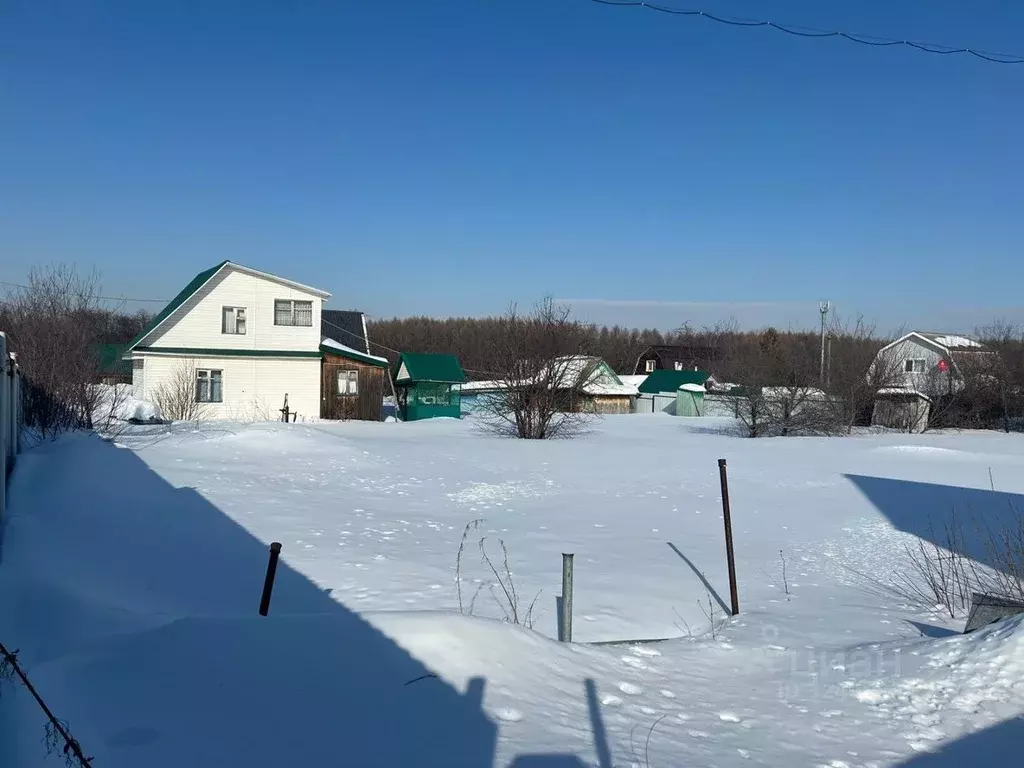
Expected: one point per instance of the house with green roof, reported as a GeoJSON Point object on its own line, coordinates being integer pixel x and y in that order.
{"type": "Point", "coordinates": [428, 386]}
{"type": "Point", "coordinates": [659, 392]}
{"type": "Point", "coordinates": [244, 344]}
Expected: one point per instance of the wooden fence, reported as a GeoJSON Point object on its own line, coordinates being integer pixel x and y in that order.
{"type": "Point", "coordinates": [10, 416]}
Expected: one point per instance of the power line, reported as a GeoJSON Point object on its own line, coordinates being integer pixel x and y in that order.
{"type": "Point", "coordinates": [801, 31]}
{"type": "Point", "coordinates": [389, 349]}
{"type": "Point", "coordinates": [103, 298]}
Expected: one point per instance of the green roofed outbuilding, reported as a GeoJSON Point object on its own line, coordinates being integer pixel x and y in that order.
{"type": "Point", "coordinates": [669, 382]}
{"type": "Point", "coordinates": [427, 386]}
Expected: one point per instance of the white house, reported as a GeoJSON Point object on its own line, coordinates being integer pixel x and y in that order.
{"type": "Point", "coordinates": [241, 340]}
{"type": "Point", "coordinates": [916, 368]}
{"type": "Point", "coordinates": [929, 362]}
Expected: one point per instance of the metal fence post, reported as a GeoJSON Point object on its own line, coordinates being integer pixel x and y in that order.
{"type": "Point", "coordinates": [727, 517]}
{"type": "Point", "coordinates": [565, 619]}
{"type": "Point", "coordinates": [268, 582]}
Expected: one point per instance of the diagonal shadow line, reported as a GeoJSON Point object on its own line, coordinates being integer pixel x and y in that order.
{"type": "Point", "coordinates": [704, 581]}
{"type": "Point", "coordinates": [604, 755]}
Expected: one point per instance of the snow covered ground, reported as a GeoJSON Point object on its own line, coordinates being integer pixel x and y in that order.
{"type": "Point", "coordinates": [131, 571]}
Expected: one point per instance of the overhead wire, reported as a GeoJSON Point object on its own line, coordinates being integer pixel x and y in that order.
{"type": "Point", "coordinates": [355, 335]}
{"type": "Point", "coordinates": [103, 298]}
{"type": "Point", "coordinates": [803, 31]}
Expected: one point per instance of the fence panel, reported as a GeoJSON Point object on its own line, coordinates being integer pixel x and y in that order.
{"type": "Point", "coordinates": [10, 416]}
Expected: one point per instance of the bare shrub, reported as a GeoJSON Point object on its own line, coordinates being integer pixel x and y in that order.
{"type": "Point", "coordinates": [54, 325]}
{"type": "Point", "coordinates": [508, 599]}
{"type": "Point", "coordinates": [503, 587]}
{"type": "Point", "coordinates": [110, 404]}
{"type": "Point", "coordinates": [710, 611]}
{"type": "Point", "coordinates": [1005, 548]}
{"type": "Point", "coordinates": [176, 395]}
{"type": "Point", "coordinates": [780, 392]}
{"type": "Point", "coordinates": [856, 374]}
{"type": "Point", "coordinates": [940, 571]}
{"type": "Point", "coordinates": [541, 374]}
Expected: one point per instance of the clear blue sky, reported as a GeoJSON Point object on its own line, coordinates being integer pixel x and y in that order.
{"type": "Point", "coordinates": [448, 156]}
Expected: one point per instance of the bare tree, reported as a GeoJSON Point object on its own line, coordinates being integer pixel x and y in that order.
{"type": "Point", "coordinates": [55, 325]}
{"type": "Point", "coordinates": [995, 381]}
{"type": "Point", "coordinates": [176, 395]}
{"type": "Point", "coordinates": [541, 374]}
{"type": "Point", "coordinates": [856, 373]}
{"type": "Point", "coordinates": [778, 376]}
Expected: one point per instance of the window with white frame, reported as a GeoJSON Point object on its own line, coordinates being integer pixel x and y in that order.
{"type": "Point", "coordinates": [348, 382]}
{"type": "Point", "coordinates": [209, 386]}
{"type": "Point", "coordinates": [233, 320]}
{"type": "Point", "coordinates": [289, 312]}
{"type": "Point", "coordinates": [678, 365]}
{"type": "Point", "coordinates": [649, 366]}
{"type": "Point", "coordinates": [914, 365]}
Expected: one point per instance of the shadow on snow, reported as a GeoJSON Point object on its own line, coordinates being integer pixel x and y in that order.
{"type": "Point", "coordinates": [926, 509]}
{"type": "Point", "coordinates": [141, 629]}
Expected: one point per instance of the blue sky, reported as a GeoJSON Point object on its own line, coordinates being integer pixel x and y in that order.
{"type": "Point", "coordinates": [446, 157]}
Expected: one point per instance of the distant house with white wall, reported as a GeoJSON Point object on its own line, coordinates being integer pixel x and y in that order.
{"type": "Point", "coordinates": [918, 367]}
{"type": "Point", "coordinates": [929, 362]}
{"type": "Point", "coordinates": [240, 341]}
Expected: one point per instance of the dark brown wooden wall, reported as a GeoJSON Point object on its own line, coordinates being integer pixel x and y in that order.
{"type": "Point", "coordinates": [366, 406]}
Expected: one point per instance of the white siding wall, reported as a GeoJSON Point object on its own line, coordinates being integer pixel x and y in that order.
{"type": "Point", "coordinates": [253, 387]}
{"type": "Point", "coordinates": [197, 323]}
{"type": "Point", "coordinates": [139, 376]}
{"type": "Point", "coordinates": [912, 348]}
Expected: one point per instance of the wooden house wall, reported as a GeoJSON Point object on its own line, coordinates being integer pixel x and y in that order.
{"type": "Point", "coordinates": [364, 406]}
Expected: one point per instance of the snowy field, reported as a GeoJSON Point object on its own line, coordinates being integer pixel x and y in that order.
{"type": "Point", "coordinates": [131, 573]}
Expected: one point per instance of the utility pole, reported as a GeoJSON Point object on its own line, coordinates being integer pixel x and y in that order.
{"type": "Point", "coordinates": [823, 308]}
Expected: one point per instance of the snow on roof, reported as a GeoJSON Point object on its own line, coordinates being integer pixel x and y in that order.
{"type": "Point", "coordinates": [692, 388]}
{"type": "Point", "coordinates": [957, 341]}
{"type": "Point", "coordinates": [952, 341]}
{"type": "Point", "coordinates": [347, 351]}
{"type": "Point", "coordinates": [902, 391]}
{"type": "Point", "coordinates": [601, 380]}
{"type": "Point", "coordinates": [482, 386]}
{"type": "Point", "coordinates": [568, 371]}
{"type": "Point", "coordinates": [634, 380]}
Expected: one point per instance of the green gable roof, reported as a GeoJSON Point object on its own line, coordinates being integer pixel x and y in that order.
{"type": "Point", "coordinates": [670, 381]}
{"type": "Point", "coordinates": [427, 367]}
{"type": "Point", "coordinates": [187, 292]}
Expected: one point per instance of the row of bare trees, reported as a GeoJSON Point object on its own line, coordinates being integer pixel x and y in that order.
{"type": "Point", "coordinates": [779, 384]}
{"type": "Point", "coordinates": [55, 325]}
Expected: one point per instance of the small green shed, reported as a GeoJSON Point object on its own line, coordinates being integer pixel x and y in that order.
{"type": "Point", "coordinates": [690, 400]}
{"type": "Point", "coordinates": [425, 385]}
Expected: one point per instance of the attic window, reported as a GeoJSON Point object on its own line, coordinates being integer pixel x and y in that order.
{"type": "Point", "coordinates": [233, 320]}
{"type": "Point", "coordinates": [678, 365]}
{"type": "Point", "coordinates": [649, 366]}
{"type": "Point", "coordinates": [289, 312]}
{"type": "Point", "coordinates": [913, 365]}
